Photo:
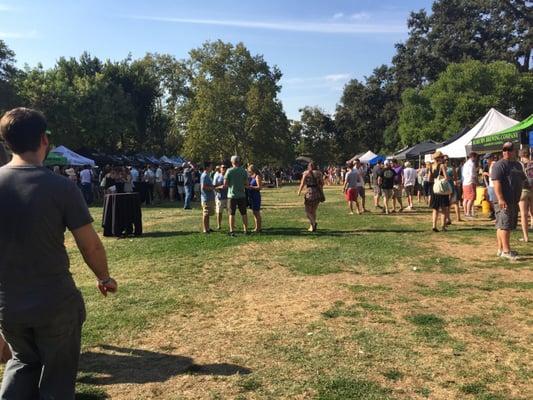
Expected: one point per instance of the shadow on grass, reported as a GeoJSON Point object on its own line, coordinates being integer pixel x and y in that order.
{"type": "Point", "coordinates": [123, 365]}
{"type": "Point", "coordinates": [163, 234]}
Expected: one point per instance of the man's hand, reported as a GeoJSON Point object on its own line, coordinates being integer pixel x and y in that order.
{"type": "Point", "coordinates": [503, 204]}
{"type": "Point", "coordinates": [107, 285]}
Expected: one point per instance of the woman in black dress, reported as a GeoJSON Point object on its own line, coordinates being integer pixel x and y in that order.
{"type": "Point", "coordinates": [439, 201]}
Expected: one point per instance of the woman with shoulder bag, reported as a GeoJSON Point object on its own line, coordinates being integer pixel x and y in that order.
{"type": "Point", "coordinates": [440, 190]}
{"type": "Point", "coordinates": [314, 195]}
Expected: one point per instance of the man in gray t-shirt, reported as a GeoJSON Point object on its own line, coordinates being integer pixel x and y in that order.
{"type": "Point", "coordinates": [351, 181]}
{"type": "Point", "coordinates": [508, 178]}
{"type": "Point", "coordinates": [41, 310]}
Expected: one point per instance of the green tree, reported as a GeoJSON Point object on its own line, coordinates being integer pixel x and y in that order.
{"type": "Point", "coordinates": [232, 106]}
{"type": "Point", "coordinates": [462, 94]}
{"type": "Point", "coordinates": [8, 71]}
{"type": "Point", "coordinates": [317, 136]}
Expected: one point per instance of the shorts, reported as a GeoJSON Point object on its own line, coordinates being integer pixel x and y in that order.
{"type": "Point", "coordinates": [527, 195]}
{"type": "Point", "coordinates": [361, 191]}
{"type": "Point", "coordinates": [350, 194]}
{"type": "Point", "coordinates": [241, 204]}
{"type": "Point", "coordinates": [208, 208]}
{"type": "Point", "coordinates": [387, 193]}
{"type": "Point", "coordinates": [410, 190]}
{"type": "Point", "coordinates": [492, 194]}
{"type": "Point", "coordinates": [506, 219]}
{"type": "Point", "coordinates": [221, 205]}
{"type": "Point", "coordinates": [469, 192]}
{"type": "Point", "coordinates": [397, 192]}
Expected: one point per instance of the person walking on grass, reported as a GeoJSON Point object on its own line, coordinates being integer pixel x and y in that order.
{"type": "Point", "coordinates": [386, 182]}
{"type": "Point", "coordinates": [350, 188]}
{"type": "Point", "coordinates": [207, 196]}
{"type": "Point", "coordinates": [439, 202]}
{"type": "Point", "coordinates": [398, 186]}
{"type": "Point", "coordinates": [508, 178]}
{"type": "Point", "coordinates": [254, 196]}
{"type": "Point", "coordinates": [221, 194]}
{"type": "Point", "coordinates": [188, 185]}
{"type": "Point", "coordinates": [526, 198]}
{"type": "Point", "coordinates": [41, 310]}
{"type": "Point", "coordinates": [409, 179]}
{"type": "Point", "coordinates": [376, 172]}
{"type": "Point", "coordinates": [469, 175]}
{"type": "Point", "coordinates": [361, 183]}
{"type": "Point", "coordinates": [236, 181]}
{"type": "Point", "coordinates": [313, 182]}
{"type": "Point", "coordinates": [453, 180]}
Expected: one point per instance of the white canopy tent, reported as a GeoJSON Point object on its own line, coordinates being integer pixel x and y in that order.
{"type": "Point", "coordinates": [367, 157]}
{"type": "Point", "coordinates": [72, 157]}
{"type": "Point", "coordinates": [492, 122]}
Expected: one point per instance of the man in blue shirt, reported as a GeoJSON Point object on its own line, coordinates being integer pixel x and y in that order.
{"type": "Point", "coordinates": [188, 184]}
{"type": "Point", "coordinates": [207, 193]}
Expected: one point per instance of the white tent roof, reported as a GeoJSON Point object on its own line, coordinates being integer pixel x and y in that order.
{"type": "Point", "coordinates": [72, 157]}
{"type": "Point", "coordinates": [368, 156]}
{"type": "Point", "coordinates": [356, 156]}
{"type": "Point", "coordinates": [492, 122]}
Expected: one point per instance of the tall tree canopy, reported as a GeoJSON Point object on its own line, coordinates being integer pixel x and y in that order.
{"type": "Point", "coordinates": [462, 94]}
{"type": "Point", "coordinates": [232, 107]}
{"type": "Point", "coordinates": [7, 74]}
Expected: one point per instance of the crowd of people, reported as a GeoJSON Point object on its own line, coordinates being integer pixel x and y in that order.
{"type": "Point", "coordinates": [42, 311]}
{"type": "Point", "coordinates": [507, 189]}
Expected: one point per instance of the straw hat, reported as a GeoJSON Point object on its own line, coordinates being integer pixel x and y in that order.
{"type": "Point", "coordinates": [437, 154]}
{"type": "Point", "coordinates": [70, 172]}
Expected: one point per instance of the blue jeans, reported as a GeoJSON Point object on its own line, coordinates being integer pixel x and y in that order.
{"type": "Point", "coordinates": [188, 196]}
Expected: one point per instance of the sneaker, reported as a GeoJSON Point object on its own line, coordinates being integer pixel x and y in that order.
{"type": "Point", "coordinates": [499, 253]}
{"type": "Point", "coordinates": [511, 256]}
{"type": "Point", "coordinates": [232, 234]}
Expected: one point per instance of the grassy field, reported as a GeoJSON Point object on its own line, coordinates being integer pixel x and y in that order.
{"type": "Point", "coordinates": [369, 307]}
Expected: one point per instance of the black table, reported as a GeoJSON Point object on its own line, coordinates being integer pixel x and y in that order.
{"type": "Point", "coordinates": [122, 214]}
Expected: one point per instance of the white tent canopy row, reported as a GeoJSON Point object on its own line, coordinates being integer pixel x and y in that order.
{"type": "Point", "coordinates": [492, 122]}
{"type": "Point", "coordinates": [363, 157]}
{"type": "Point", "coordinates": [72, 157]}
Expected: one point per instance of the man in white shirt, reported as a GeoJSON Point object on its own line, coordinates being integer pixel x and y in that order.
{"type": "Point", "coordinates": [149, 178]}
{"type": "Point", "coordinates": [409, 181]}
{"type": "Point", "coordinates": [159, 184]}
{"type": "Point", "coordinates": [86, 177]}
{"type": "Point", "coordinates": [469, 176]}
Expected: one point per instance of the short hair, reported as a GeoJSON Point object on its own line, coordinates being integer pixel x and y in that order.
{"type": "Point", "coordinates": [22, 129]}
{"type": "Point", "coordinates": [207, 164]}
{"type": "Point", "coordinates": [524, 153]}
{"type": "Point", "coordinates": [235, 159]}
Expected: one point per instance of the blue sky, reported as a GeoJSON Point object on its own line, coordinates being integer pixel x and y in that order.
{"type": "Point", "coordinates": [318, 45]}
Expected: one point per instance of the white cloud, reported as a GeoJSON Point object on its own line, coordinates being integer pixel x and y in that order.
{"type": "Point", "coordinates": [293, 26]}
{"type": "Point", "coordinates": [337, 77]}
{"type": "Point", "coordinates": [360, 16]}
{"type": "Point", "coordinates": [18, 35]}
{"type": "Point", "coordinates": [338, 15]}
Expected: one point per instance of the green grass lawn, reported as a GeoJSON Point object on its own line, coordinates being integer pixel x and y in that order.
{"type": "Point", "coordinates": [369, 307]}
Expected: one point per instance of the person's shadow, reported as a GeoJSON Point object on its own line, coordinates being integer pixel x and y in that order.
{"type": "Point", "coordinates": [123, 365]}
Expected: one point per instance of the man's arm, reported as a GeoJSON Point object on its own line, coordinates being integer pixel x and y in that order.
{"type": "Point", "coordinates": [94, 254]}
{"type": "Point", "coordinates": [499, 193]}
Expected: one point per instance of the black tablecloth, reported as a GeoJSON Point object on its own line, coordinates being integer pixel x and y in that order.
{"type": "Point", "coordinates": [122, 214]}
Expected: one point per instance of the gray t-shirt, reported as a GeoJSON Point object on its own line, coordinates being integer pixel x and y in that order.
{"type": "Point", "coordinates": [511, 176]}
{"type": "Point", "coordinates": [352, 178]}
{"type": "Point", "coordinates": [36, 206]}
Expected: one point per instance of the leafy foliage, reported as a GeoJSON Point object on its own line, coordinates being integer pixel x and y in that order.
{"type": "Point", "coordinates": [460, 95]}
